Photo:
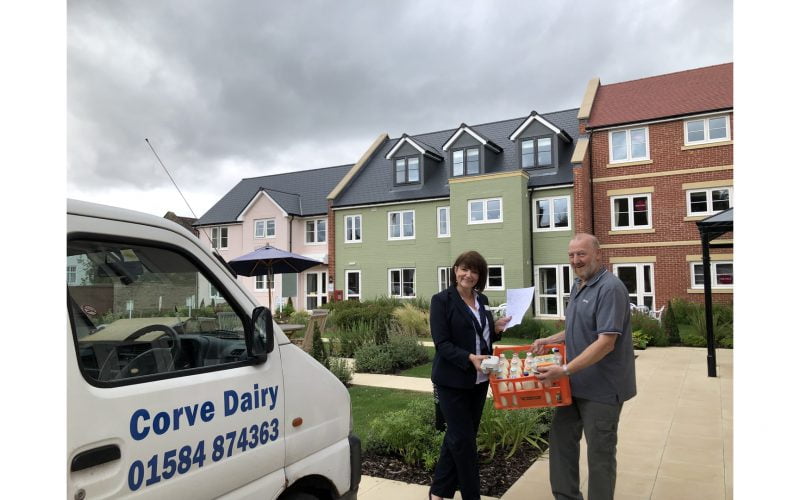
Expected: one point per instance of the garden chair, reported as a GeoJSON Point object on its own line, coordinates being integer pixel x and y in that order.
{"type": "Point", "coordinates": [498, 311]}
{"type": "Point", "coordinates": [656, 313]}
{"type": "Point", "coordinates": [318, 317]}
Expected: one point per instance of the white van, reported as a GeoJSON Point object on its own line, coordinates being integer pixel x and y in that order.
{"type": "Point", "coordinates": [179, 385]}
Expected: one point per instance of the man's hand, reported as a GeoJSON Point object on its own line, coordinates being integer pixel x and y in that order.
{"type": "Point", "coordinates": [550, 373]}
{"type": "Point", "coordinates": [538, 346]}
{"type": "Point", "coordinates": [500, 324]}
{"type": "Point", "coordinates": [476, 360]}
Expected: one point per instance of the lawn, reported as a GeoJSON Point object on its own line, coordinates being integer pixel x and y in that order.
{"type": "Point", "coordinates": [370, 402]}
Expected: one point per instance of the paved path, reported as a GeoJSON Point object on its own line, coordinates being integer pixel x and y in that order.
{"type": "Point", "coordinates": [675, 440]}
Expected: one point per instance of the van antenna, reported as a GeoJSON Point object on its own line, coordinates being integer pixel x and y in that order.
{"type": "Point", "coordinates": [179, 190]}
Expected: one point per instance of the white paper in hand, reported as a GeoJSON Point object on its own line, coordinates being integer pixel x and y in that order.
{"type": "Point", "coordinates": [518, 300]}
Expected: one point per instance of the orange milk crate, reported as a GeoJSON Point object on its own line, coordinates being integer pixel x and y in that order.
{"type": "Point", "coordinates": [528, 392]}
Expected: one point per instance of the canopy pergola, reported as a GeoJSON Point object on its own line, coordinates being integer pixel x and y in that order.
{"type": "Point", "coordinates": [710, 229]}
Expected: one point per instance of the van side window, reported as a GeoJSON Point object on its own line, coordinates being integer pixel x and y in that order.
{"type": "Point", "coordinates": [140, 311]}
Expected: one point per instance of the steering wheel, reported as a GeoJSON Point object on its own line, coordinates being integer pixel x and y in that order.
{"type": "Point", "coordinates": [157, 359]}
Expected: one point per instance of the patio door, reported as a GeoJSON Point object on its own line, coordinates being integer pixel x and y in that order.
{"type": "Point", "coordinates": [316, 294]}
{"type": "Point", "coordinates": [638, 279]}
{"type": "Point", "coordinates": [552, 289]}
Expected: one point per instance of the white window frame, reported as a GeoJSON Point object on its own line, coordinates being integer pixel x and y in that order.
{"type": "Point", "coordinates": [261, 283]}
{"type": "Point", "coordinates": [551, 200]}
{"type": "Point", "coordinates": [265, 228]}
{"type": "Point", "coordinates": [213, 292]}
{"type": "Point", "coordinates": [72, 272]}
{"type": "Point", "coordinates": [628, 156]}
{"type": "Point", "coordinates": [484, 203]}
{"type": "Point", "coordinates": [348, 237]}
{"type": "Point", "coordinates": [706, 132]}
{"type": "Point", "coordinates": [414, 282]}
{"type": "Point", "coordinates": [443, 272]}
{"type": "Point", "coordinates": [216, 237]}
{"type": "Point", "coordinates": [562, 289]}
{"type": "Point", "coordinates": [640, 291]}
{"type": "Point", "coordinates": [714, 285]}
{"type": "Point", "coordinates": [502, 277]}
{"type": "Point", "coordinates": [400, 215]}
{"type": "Point", "coordinates": [439, 211]}
{"type": "Point", "coordinates": [347, 294]}
{"type": "Point", "coordinates": [631, 226]}
{"type": "Point", "coordinates": [316, 223]}
{"type": "Point", "coordinates": [709, 202]}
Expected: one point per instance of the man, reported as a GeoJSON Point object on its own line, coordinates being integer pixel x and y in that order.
{"type": "Point", "coordinates": [600, 350]}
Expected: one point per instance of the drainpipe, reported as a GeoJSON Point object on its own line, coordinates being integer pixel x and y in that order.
{"type": "Point", "coordinates": [530, 239]}
{"type": "Point", "coordinates": [291, 219]}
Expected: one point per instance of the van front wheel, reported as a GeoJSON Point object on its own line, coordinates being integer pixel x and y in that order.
{"type": "Point", "coordinates": [301, 495]}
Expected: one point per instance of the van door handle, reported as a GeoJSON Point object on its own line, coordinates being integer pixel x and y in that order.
{"type": "Point", "coordinates": [95, 456]}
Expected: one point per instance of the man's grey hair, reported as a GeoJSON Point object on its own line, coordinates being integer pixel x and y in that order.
{"type": "Point", "coordinates": [591, 237]}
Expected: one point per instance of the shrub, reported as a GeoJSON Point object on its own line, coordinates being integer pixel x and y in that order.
{"type": "Point", "coordinates": [379, 314]}
{"type": "Point", "coordinates": [288, 309]}
{"type": "Point", "coordinates": [693, 340]}
{"type": "Point", "coordinates": [640, 339]}
{"type": "Point", "coordinates": [412, 321]}
{"type": "Point", "coordinates": [532, 328]}
{"type": "Point", "coordinates": [348, 340]}
{"type": "Point", "coordinates": [722, 322]}
{"type": "Point", "coordinates": [507, 430]}
{"type": "Point", "coordinates": [652, 329]}
{"type": "Point", "coordinates": [341, 369]}
{"type": "Point", "coordinates": [683, 310]}
{"type": "Point", "coordinates": [670, 325]}
{"type": "Point", "coordinates": [372, 358]}
{"type": "Point", "coordinates": [299, 317]}
{"type": "Point", "coordinates": [406, 352]}
{"type": "Point", "coordinates": [318, 350]}
{"type": "Point", "coordinates": [409, 433]}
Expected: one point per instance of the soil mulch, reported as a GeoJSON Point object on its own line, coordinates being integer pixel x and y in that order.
{"type": "Point", "coordinates": [497, 476]}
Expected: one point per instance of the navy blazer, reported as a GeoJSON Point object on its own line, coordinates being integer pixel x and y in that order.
{"type": "Point", "coordinates": [453, 333]}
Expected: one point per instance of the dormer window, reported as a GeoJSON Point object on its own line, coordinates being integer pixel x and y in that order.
{"type": "Point", "coordinates": [469, 156]}
{"type": "Point", "coordinates": [537, 152]}
{"type": "Point", "coordinates": [406, 170]}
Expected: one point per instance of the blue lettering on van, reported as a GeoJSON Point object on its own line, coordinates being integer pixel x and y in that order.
{"type": "Point", "coordinates": [248, 401]}
{"type": "Point", "coordinates": [141, 423]}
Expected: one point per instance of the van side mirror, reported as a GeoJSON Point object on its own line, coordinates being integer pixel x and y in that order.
{"type": "Point", "coordinates": [262, 338]}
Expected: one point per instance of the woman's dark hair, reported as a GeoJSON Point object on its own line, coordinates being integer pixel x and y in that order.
{"type": "Point", "coordinates": [475, 262]}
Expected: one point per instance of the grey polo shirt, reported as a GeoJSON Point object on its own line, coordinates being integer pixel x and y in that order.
{"type": "Point", "coordinates": [602, 305]}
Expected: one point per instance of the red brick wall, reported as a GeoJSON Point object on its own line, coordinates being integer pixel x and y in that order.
{"type": "Point", "coordinates": [668, 205]}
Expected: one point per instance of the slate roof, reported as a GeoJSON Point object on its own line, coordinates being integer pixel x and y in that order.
{"type": "Point", "coordinates": [674, 94]}
{"type": "Point", "coordinates": [301, 193]}
{"type": "Point", "coordinates": [374, 184]}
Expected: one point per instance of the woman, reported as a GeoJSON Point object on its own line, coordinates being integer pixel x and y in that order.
{"type": "Point", "coordinates": [463, 331]}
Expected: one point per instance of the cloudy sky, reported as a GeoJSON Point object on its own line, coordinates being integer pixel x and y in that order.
{"type": "Point", "coordinates": [225, 90]}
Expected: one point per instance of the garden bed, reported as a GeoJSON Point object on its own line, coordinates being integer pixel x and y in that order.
{"type": "Point", "coordinates": [496, 476]}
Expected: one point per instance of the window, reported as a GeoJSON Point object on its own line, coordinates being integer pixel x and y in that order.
{"type": "Point", "coordinates": [264, 283]}
{"type": "Point", "coordinates": [406, 170]}
{"type": "Point", "coordinates": [708, 201]}
{"type": "Point", "coordinates": [486, 211]}
{"type": "Point", "coordinates": [443, 226]}
{"type": "Point", "coordinates": [553, 284]}
{"type": "Point", "coordinates": [444, 278]}
{"type": "Point", "coordinates": [539, 149]}
{"type": "Point", "coordinates": [470, 156]}
{"type": "Point", "coordinates": [219, 237]}
{"type": "Point", "coordinates": [316, 231]}
{"type": "Point", "coordinates": [316, 294]}
{"type": "Point", "coordinates": [629, 145]}
{"type": "Point", "coordinates": [401, 283]}
{"type": "Point", "coordinates": [135, 315]}
{"type": "Point", "coordinates": [552, 214]}
{"type": "Point", "coordinates": [495, 279]}
{"type": "Point", "coordinates": [706, 130]}
{"type": "Point", "coordinates": [631, 212]}
{"type": "Point", "coordinates": [401, 225]}
{"type": "Point", "coordinates": [352, 285]}
{"type": "Point", "coordinates": [212, 292]}
{"type": "Point", "coordinates": [72, 275]}
{"type": "Point", "coordinates": [264, 228]}
{"type": "Point", "coordinates": [352, 229]}
{"type": "Point", "coordinates": [638, 279]}
{"type": "Point", "coordinates": [721, 274]}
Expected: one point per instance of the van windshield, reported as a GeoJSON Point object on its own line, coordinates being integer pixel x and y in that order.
{"type": "Point", "coordinates": [141, 310]}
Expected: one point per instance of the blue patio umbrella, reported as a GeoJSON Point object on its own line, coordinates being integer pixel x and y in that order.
{"type": "Point", "coordinates": [269, 261]}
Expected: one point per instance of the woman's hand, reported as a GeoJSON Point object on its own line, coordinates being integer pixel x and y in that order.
{"type": "Point", "coordinates": [500, 324]}
{"type": "Point", "coordinates": [476, 359]}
